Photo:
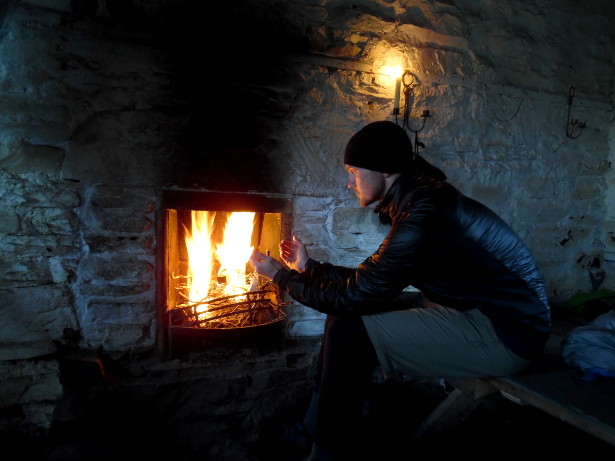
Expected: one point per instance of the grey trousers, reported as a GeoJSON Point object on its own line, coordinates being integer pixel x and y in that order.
{"type": "Point", "coordinates": [439, 342]}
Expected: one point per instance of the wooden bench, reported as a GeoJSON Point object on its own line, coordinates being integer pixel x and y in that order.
{"type": "Point", "coordinates": [551, 386]}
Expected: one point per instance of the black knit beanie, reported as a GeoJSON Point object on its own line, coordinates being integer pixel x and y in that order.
{"type": "Point", "coordinates": [380, 146]}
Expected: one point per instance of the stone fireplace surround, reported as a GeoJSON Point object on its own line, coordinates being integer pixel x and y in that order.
{"type": "Point", "coordinates": [212, 399]}
{"type": "Point", "coordinates": [211, 395]}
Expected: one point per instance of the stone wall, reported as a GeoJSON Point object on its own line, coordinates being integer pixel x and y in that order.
{"type": "Point", "coordinates": [103, 108]}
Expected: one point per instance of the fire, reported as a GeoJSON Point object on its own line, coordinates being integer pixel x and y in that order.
{"type": "Point", "coordinates": [198, 244]}
{"type": "Point", "coordinates": [234, 252]}
{"type": "Point", "coordinates": [215, 287]}
{"type": "Point", "coordinates": [231, 254]}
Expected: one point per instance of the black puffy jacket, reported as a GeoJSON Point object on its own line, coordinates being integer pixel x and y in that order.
{"type": "Point", "coordinates": [453, 249]}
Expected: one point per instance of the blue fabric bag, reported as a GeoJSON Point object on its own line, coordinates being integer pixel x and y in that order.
{"type": "Point", "coordinates": [591, 348]}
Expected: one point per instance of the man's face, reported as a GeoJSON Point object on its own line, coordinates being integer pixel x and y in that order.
{"type": "Point", "coordinates": [369, 185]}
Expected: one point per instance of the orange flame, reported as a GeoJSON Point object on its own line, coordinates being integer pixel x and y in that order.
{"type": "Point", "coordinates": [232, 254]}
{"type": "Point", "coordinates": [235, 250]}
{"type": "Point", "coordinates": [200, 254]}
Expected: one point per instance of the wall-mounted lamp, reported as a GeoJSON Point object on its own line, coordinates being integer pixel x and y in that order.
{"type": "Point", "coordinates": [395, 72]}
{"type": "Point", "coordinates": [397, 95]}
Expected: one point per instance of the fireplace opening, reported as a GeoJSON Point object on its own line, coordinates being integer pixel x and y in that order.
{"type": "Point", "coordinates": [212, 296]}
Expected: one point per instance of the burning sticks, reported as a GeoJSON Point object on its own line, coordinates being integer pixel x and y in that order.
{"type": "Point", "coordinates": [234, 311]}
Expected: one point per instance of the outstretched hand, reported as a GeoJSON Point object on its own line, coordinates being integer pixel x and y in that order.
{"type": "Point", "coordinates": [294, 253]}
{"type": "Point", "coordinates": [264, 265]}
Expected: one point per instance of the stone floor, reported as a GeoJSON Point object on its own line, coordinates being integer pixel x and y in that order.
{"type": "Point", "coordinates": [497, 428]}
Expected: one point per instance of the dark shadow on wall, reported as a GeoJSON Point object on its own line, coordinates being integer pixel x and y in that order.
{"type": "Point", "coordinates": [4, 6]}
{"type": "Point", "coordinates": [235, 81]}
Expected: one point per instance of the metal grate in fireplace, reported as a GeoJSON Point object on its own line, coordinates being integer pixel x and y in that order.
{"type": "Point", "coordinates": [251, 308]}
{"type": "Point", "coordinates": [236, 304]}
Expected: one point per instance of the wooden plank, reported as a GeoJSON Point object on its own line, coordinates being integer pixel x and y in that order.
{"type": "Point", "coordinates": [473, 387]}
{"type": "Point", "coordinates": [450, 412]}
{"type": "Point", "coordinates": [551, 386]}
{"type": "Point", "coordinates": [589, 406]}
